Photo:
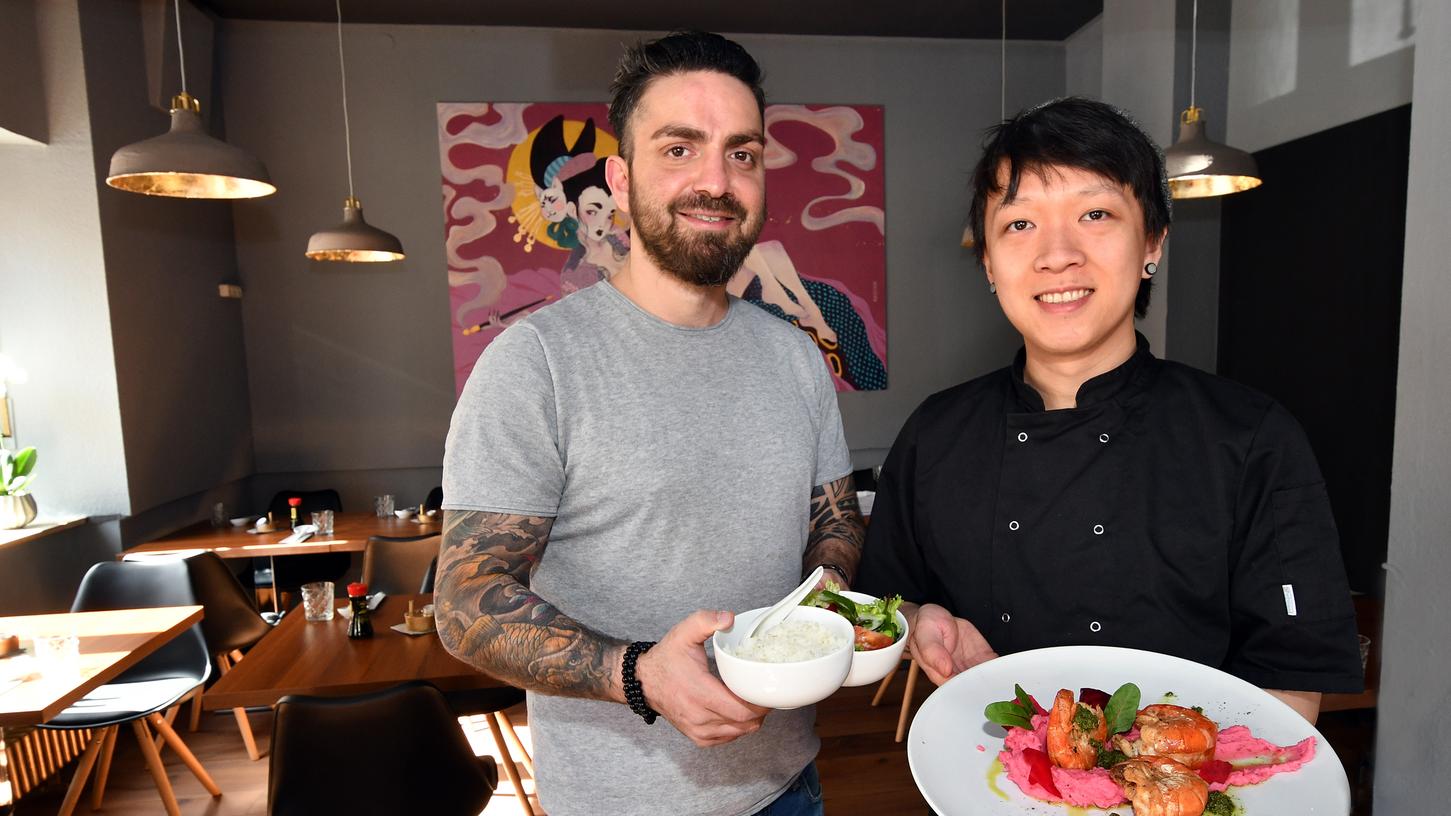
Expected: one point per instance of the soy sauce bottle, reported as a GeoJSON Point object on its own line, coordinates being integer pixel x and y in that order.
{"type": "Point", "coordinates": [361, 624]}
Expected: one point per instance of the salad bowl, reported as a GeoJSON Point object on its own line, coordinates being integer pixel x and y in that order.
{"type": "Point", "coordinates": [871, 667]}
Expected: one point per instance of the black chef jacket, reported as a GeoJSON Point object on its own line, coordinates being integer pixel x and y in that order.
{"type": "Point", "coordinates": [1171, 510]}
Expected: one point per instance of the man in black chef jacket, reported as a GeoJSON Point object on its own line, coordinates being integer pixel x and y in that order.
{"type": "Point", "coordinates": [1091, 493]}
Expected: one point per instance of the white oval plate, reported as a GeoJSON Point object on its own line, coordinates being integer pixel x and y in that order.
{"type": "Point", "coordinates": [942, 746]}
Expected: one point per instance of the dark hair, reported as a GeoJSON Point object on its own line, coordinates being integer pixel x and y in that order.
{"type": "Point", "coordinates": [676, 53]}
{"type": "Point", "coordinates": [575, 185]}
{"type": "Point", "coordinates": [549, 146]}
{"type": "Point", "coordinates": [1079, 133]}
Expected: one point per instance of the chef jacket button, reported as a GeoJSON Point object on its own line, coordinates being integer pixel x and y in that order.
{"type": "Point", "coordinates": [1012, 525]}
{"type": "Point", "coordinates": [1095, 626]}
{"type": "Point", "coordinates": [1022, 436]}
{"type": "Point", "coordinates": [1103, 438]}
{"type": "Point", "coordinates": [1007, 617]}
{"type": "Point", "coordinates": [1098, 529]}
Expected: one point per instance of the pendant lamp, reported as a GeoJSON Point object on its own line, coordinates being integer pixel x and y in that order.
{"type": "Point", "coordinates": [967, 238]}
{"type": "Point", "coordinates": [354, 239]}
{"type": "Point", "coordinates": [1198, 167]}
{"type": "Point", "coordinates": [186, 162]}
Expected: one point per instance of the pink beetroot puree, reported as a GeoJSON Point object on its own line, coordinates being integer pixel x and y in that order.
{"type": "Point", "coordinates": [1091, 788]}
{"type": "Point", "coordinates": [1095, 788]}
{"type": "Point", "coordinates": [1236, 745]}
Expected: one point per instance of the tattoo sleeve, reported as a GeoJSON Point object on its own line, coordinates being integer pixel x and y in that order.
{"type": "Point", "coordinates": [488, 618]}
{"type": "Point", "coordinates": [837, 531]}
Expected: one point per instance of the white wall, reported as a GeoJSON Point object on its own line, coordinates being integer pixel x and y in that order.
{"type": "Point", "coordinates": [56, 320]}
{"type": "Point", "coordinates": [1412, 755]}
{"type": "Point", "coordinates": [1302, 66]}
{"type": "Point", "coordinates": [351, 369]}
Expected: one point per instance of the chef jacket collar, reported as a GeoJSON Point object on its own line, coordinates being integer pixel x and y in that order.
{"type": "Point", "coordinates": [1131, 377]}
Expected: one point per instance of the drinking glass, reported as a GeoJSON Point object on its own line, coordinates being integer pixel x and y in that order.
{"type": "Point", "coordinates": [58, 654]}
{"type": "Point", "coordinates": [317, 601]}
{"type": "Point", "coordinates": [323, 520]}
{"type": "Point", "coordinates": [384, 505]}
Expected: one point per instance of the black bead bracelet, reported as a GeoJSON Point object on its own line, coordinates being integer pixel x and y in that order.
{"type": "Point", "coordinates": [634, 693]}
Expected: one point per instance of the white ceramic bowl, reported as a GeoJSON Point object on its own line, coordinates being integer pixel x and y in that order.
{"type": "Point", "coordinates": [784, 685]}
{"type": "Point", "coordinates": [405, 513]}
{"type": "Point", "coordinates": [871, 667]}
{"type": "Point", "coordinates": [243, 521]}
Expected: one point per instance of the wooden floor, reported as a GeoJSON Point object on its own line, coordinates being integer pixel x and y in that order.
{"type": "Point", "coordinates": [862, 769]}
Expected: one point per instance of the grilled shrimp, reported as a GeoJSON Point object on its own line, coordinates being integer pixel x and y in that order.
{"type": "Point", "coordinates": [1181, 734]}
{"type": "Point", "coordinates": [1158, 786]}
{"type": "Point", "coordinates": [1076, 732]}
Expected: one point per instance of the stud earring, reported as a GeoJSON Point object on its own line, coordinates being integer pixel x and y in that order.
{"type": "Point", "coordinates": [992, 288]}
{"type": "Point", "coordinates": [1151, 269]}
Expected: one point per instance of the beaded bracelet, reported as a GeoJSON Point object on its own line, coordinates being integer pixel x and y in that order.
{"type": "Point", "coordinates": [634, 692]}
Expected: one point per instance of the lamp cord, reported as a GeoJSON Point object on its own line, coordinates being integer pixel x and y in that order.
{"type": "Point", "coordinates": [180, 49]}
{"type": "Point", "coordinates": [1003, 66]}
{"type": "Point", "coordinates": [347, 129]}
{"type": "Point", "coordinates": [1193, 51]}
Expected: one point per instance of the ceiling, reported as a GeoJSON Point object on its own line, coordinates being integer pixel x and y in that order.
{"type": "Point", "coordinates": [978, 19]}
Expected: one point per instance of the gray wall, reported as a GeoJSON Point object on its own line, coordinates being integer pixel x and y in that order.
{"type": "Point", "coordinates": [351, 365]}
{"type": "Point", "coordinates": [180, 369]}
{"type": "Point", "coordinates": [1415, 694]}
{"type": "Point", "coordinates": [22, 106]}
{"type": "Point", "coordinates": [1302, 66]}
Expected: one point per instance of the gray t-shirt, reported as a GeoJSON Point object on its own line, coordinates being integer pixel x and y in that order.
{"type": "Point", "coordinates": [678, 464]}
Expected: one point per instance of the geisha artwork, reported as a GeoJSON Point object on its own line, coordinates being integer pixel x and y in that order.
{"type": "Point", "coordinates": [529, 219]}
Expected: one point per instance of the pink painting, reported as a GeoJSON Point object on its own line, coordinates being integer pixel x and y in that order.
{"type": "Point", "coordinates": [528, 220]}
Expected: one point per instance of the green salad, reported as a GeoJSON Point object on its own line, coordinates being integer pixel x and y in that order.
{"type": "Point", "coordinates": [875, 623]}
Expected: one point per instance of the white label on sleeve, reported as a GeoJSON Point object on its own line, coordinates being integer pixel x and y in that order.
{"type": "Point", "coordinates": [1289, 590]}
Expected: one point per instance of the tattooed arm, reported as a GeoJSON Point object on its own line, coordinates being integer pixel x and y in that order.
{"type": "Point", "coordinates": [837, 531]}
{"type": "Point", "coordinates": [488, 618]}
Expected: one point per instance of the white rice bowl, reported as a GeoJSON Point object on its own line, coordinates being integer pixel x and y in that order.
{"type": "Point", "coordinates": [798, 667]}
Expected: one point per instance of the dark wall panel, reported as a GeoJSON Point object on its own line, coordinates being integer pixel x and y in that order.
{"type": "Point", "coordinates": [1309, 312]}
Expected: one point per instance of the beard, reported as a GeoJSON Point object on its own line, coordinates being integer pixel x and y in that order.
{"type": "Point", "coordinates": [696, 258]}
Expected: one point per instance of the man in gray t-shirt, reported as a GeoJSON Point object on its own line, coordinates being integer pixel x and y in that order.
{"type": "Point", "coordinates": [641, 460]}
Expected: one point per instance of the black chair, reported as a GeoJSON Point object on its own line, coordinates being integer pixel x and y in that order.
{"type": "Point", "coordinates": [397, 565]}
{"type": "Point", "coordinates": [426, 588]}
{"type": "Point", "coordinates": [231, 623]}
{"type": "Point", "coordinates": [434, 500]}
{"type": "Point", "coordinates": [139, 694]}
{"type": "Point", "coordinates": [292, 571]}
{"type": "Point", "coordinates": [490, 704]}
{"type": "Point", "coordinates": [399, 750]}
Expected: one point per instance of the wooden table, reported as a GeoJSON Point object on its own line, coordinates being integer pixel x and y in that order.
{"type": "Point", "coordinates": [350, 534]}
{"type": "Point", "coordinates": [302, 657]}
{"type": "Point", "coordinates": [110, 643]}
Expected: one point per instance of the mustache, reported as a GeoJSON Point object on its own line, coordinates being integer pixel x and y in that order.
{"type": "Point", "coordinates": [701, 202]}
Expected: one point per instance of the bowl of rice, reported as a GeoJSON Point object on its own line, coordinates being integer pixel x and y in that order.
{"type": "Point", "coordinates": [801, 661]}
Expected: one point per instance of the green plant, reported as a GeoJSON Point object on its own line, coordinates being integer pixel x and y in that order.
{"type": "Point", "coordinates": [15, 471]}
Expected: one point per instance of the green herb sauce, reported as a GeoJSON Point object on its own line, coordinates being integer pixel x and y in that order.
{"type": "Point", "coordinates": [1220, 805]}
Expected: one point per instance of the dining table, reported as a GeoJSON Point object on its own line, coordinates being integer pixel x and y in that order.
{"type": "Point", "coordinates": [350, 534]}
{"type": "Point", "coordinates": [318, 658]}
{"type": "Point", "coordinates": [108, 643]}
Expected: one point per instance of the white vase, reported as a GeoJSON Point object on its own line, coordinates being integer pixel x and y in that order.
{"type": "Point", "coordinates": [16, 511]}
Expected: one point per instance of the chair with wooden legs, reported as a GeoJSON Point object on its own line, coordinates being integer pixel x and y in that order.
{"type": "Point", "coordinates": [912, 669]}
{"type": "Point", "coordinates": [139, 695]}
{"type": "Point", "coordinates": [491, 702]}
{"type": "Point", "coordinates": [230, 626]}
{"type": "Point", "coordinates": [399, 750]}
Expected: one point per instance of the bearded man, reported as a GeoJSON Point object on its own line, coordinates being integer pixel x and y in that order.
{"type": "Point", "coordinates": [639, 461]}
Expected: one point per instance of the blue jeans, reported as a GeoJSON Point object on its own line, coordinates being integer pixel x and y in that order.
{"type": "Point", "coordinates": [803, 798]}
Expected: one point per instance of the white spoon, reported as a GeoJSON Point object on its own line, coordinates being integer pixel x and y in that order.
{"type": "Point", "coordinates": [783, 607]}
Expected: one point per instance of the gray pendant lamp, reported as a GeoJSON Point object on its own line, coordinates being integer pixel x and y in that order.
{"type": "Point", "coordinates": [186, 162]}
{"type": "Point", "coordinates": [967, 237]}
{"type": "Point", "coordinates": [1198, 167]}
{"type": "Point", "coordinates": [353, 240]}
